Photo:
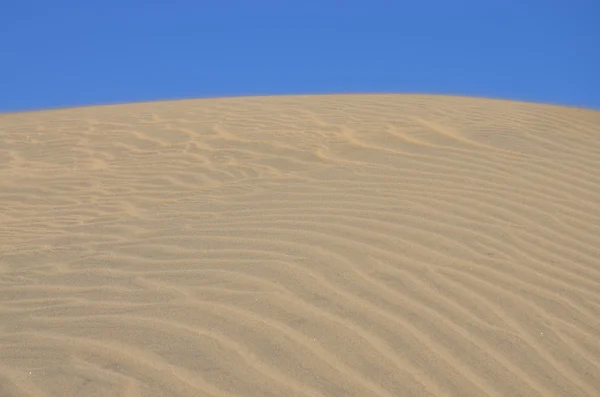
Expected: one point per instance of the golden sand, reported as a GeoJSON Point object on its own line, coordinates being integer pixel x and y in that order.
{"type": "Point", "coordinates": [343, 245]}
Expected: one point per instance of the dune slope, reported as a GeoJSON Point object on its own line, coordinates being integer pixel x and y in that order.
{"type": "Point", "coordinates": [351, 245]}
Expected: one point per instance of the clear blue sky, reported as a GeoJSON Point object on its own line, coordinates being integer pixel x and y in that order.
{"type": "Point", "coordinates": [56, 53]}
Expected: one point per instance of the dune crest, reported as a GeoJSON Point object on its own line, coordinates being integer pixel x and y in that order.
{"type": "Point", "coordinates": [342, 245]}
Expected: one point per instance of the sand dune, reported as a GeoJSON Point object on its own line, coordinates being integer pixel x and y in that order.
{"type": "Point", "coordinates": [352, 245]}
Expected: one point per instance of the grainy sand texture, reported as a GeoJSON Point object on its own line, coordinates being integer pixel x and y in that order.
{"type": "Point", "coordinates": [338, 245]}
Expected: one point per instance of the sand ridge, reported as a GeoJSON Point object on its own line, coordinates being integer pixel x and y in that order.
{"type": "Point", "coordinates": [337, 245]}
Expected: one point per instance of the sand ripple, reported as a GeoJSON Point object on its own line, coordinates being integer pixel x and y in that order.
{"type": "Point", "coordinates": [366, 245]}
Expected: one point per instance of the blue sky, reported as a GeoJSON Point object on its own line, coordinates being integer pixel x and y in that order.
{"type": "Point", "coordinates": [57, 53]}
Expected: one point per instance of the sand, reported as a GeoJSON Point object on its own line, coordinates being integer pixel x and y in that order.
{"type": "Point", "coordinates": [351, 245]}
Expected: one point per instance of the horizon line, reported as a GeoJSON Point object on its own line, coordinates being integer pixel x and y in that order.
{"type": "Point", "coordinates": [309, 94]}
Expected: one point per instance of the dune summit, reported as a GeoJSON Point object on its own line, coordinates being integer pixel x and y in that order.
{"type": "Point", "coordinates": [343, 245]}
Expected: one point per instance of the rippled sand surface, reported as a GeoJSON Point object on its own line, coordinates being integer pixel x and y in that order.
{"type": "Point", "coordinates": [343, 245]}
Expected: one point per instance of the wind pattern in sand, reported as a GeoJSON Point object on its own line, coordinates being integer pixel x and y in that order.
{"type": "Point", "coordinates": [344, 245]}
